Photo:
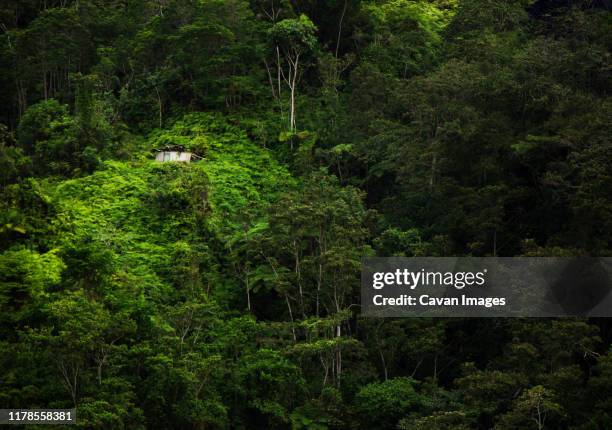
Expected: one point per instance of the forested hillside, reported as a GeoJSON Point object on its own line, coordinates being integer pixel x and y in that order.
{"type": "Point", "coordinates": [224, 293]}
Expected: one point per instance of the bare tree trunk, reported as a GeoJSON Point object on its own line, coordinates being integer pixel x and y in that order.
{"type": "Point", "coordinates": [159, 102]}
{"type": "Point", "coordinates": [432, 178]}
{"type": "Point", "coordinates": [435, 372]}
{"type": "Point", "coordinates": [21, 98]}
{"type": "Point", "coordinates": [100, 364]}
{"type": "Point", "coordinates": [495, 243]}
{"type": "Point", "coordinates": [340, 28]}
{"type": "Point", "coordinates": [338, 355]}
{"type": "Point", "coordinates": [272, 89]}
{"type": "Point", "coordinates": [320, 275]}
{"type": "Point", "coordinates": [338, 336]}
{"type": "Point", "coordinates": [293, 90]}
{"type": "Point", "coordinates": [539, 420]}
{"type": "Point", "coordinates": [248, 292]}
{"type": "Point", "coordinates": [319, 281]}
{"type": "Point", "coordinates": [417, 367]}
{"type": "Point", "coordinates": [291, 95]}
{"type": "Point", "coordinates": [384, 364]}
{"type": "Point", "coordinates": [279, 74]}
{"type": "Point", "coordinates": [325, 367]}
{"type": "Point", "coordinates": [70, 379]}
{"type": "Point", "coordinates": [45, 93]}
{"type": "Point", "coordinates": [298, 275]}
{"type": "Point", "coordinates": [291, 317]}
{"type": "Point", "coordinates": [286, 299]}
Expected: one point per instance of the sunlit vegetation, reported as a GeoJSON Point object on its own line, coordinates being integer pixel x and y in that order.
{"type": "Point", "coordinates": [224, 293]}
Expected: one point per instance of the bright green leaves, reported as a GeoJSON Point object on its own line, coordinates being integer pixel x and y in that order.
{"type": "Point", "coordinates": [382, 404]}
{"type": "Point", "coordinates": [292, 43]}
{"type": "Point", "coordinates": [139, 244]}
{"type": "Point", "coordinates": [223, 293]}
{"type": "Point", "coordinates": [244, 179]}
{"type": "Point", "coordinates": [162, 212]}
{"type": "Point", "coordinates": [25, 279]}
{"type": "Point", "coordinates": [297, 35]}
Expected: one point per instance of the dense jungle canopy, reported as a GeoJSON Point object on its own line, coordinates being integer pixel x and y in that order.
{"type": "Point", "coordinates": [224, 293]}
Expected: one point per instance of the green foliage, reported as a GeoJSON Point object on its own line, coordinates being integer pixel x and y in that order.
{"type": "Point", "coordinates": [380, 405]}
{"type": "Point", "coordinates": [13, 162]}
{"type": "Point", "coordinates": [322, 413]}
{"type": "Point", "coordinates": [243, 178]}
{"type": "Point", "coordinates": [61, 144]}
{"type": "Point", "coordinates": [271, 383]}
{"type": "Point", "coordinates": [25, 282]}
{"type": "Point", "coordinates": [296, 35]}
{"type": "Point", "coordinates": [487, 392]}
{"type": "Point", "coordinates": [40, 122]}
{"type": "Point", "coordinates": [223, 293]}
{"type": "Point", "coordinates": [439, 421]}
{"type": "Point", "coordinates": [599, 388]}
{"type": "Point", "coordinates": [536, 405]}
{"type": "Point", "coordinates": [407, 35]}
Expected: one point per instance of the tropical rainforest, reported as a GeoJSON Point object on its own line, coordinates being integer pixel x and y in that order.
{"type": "Point", "coordinates": [224, 293]}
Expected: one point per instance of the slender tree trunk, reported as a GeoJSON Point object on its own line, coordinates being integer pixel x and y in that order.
{"type": "Point", "coordinates": [248, 292]}
{"type": "Point", "coordinates": [70, 379]}
{"type": "Point", "coordinates": [45, 93]}
{"type": "Point", "coordinates": [326, 368]}
{"type": "Point", "coordinates": [272, 88]}
{"type": "Point", "coordinates": [21, 98]}
{"type": "Point", "coordinates": [320, 275]}
{"type": "Point", "coordinates": [495, 243]}
{"type": "Point", "coordinates": [383, 362]}
{"type": "Point", "coordinates": [279, 75]}
{"type": "Point", "coordinates": [435, 372]}
{"type": "Point", "coordinates": [159, 103]}
{"type": "Point", "coordinates": [432, 178]}
{"type": "Point", "coordinates": [414, 371]}
{"type": "Point", "coordinates": [298, 274]}
{"type": "Point", "coordinates": [293, 91]}
{"type": "Point", "coordinates": [338, 355]}
{"type": "Point", "coordinates": [338, 336]}
{"type": "Point", "coordinates": [291, 317]}
{"type": "Point", "coordinates": [100, 364]}
{"type": "Point", "coordinates": [340, 27]}
{"type": "Point", "coordinates": [319, 281]}
{"type": "Point", "coordinates": [286, 299]}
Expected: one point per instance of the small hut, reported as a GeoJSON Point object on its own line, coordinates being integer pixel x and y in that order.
{"type": "Point", "coordinates": [173, 153]}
